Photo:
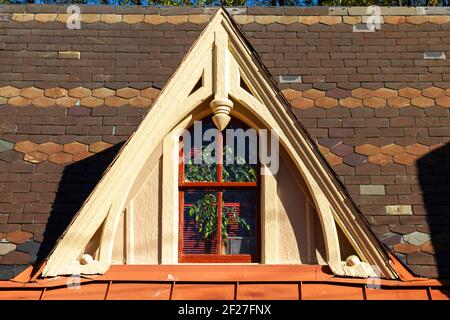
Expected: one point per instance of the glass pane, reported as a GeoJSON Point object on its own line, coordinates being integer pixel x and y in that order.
{"type": "Point", "coordinates": [240, 153]}
{"type": "Point", "coordinates": [239, 222]}
{"type": "Point", "coordinates": [200, 222]}
{"type": "Point", "coordinates": [200, 147]}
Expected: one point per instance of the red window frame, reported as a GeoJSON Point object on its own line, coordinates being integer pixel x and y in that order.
{"type": "Point", "coordinates": [219, 187]}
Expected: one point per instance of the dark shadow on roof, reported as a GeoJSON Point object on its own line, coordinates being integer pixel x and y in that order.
{"type": "Point", "coordinates": [434, 179]}
{"type": "Point", "coordinates": [77, 182]}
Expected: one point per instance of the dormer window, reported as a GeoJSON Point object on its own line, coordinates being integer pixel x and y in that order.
{"type": "Point", "coordinates": [218, 190]}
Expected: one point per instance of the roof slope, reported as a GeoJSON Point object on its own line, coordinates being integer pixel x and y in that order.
{"type": "Point", "coordinates": [375, 106]}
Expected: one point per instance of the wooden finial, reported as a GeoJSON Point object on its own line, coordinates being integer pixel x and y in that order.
{"type": "Point", "coordinates": [221, 109]}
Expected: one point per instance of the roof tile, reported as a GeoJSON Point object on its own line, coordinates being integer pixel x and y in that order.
{"type": "Point", "coordinates": [313, 94]}
{"type": "Point", "coordinates": [127, 93]}
{"type": "Point", "coordinates": [60, 158]}
{"type": "Point", "coordinates": [26, 146]}
{"type": "Point", "coordinates": [18, 237]}
{"type": "Point", "coordinates": [99, 146]}
{"type": "Point", "coordinates": [19, 101]}
{"type": "Point", "coordinates": [405, 158]}
{"type": "Point", "coordinates": [75, 148]}
{"type": "Point", "coordinates": [433, 92]}
{"type": "Point", "coordinates": [31, 92]}
{"type": "Point", "coordinates": [79, 92]}
{"type": "Point", "coordinates": [362, 93]}
{"type": "Point", "coordinates": [417, 149]}
{"type": "Point", "coordinates": [50, 147]}
{"type": "Point", "coordinates": [422, 102]}
{"type": "Point", "coordinates": [9, 92]}
{"type": "Point", "coordinates": [406, 248]}
{"type": "Point", "coordinates": [351, 102]}
{"type": "Point", "coordinates": [392, 149]}
{"type": "Point", "coordinates": [380, 159]}
{"type": "Point", "coordinates": [55, 92]}
{"type": "Point", "coordinates": [409, 93]}
{"type": "Point", "coordinates": [91, 102]}
{"type": "Point", "coordinates": [35, 157]}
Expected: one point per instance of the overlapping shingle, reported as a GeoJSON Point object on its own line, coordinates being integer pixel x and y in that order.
{"type": "Point", "coordinates": [377, 108]}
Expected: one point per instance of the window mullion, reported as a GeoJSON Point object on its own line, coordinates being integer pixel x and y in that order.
{"type": "Point", "coordinates": [219, 156]}
{"type": "Point", "coordinates": [219, 223]}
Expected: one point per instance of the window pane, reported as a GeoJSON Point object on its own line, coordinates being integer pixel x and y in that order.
{"type": "Point", "coordinates": [200, 222]}
{"type": "Point", "coordinates": [200, 152]}
{"type": "Point", "coordinates": [239, 222]}
{"type": "Point", "coordinates": [240, 153]}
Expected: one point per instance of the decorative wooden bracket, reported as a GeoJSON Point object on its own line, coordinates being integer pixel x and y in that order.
{"type": "Point", "coordinates": [221, 104]}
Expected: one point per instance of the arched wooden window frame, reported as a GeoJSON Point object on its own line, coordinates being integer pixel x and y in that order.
{"type": "Point", "coordinates": [218, 186]}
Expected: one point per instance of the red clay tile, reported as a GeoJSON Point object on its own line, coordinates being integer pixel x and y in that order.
{"type": "Point", "coordinates": [99, 146]}
{"type": "Point", "coordinates": [16, 257]}
{"type": "Point", "coordinates": [140, 102]}
{"type": "Point", "coordinates": [433, 92]}
{"type": "Point", "coordinates": [127, 93]}
{"type": "Point", "coordinates": [409, 93]}
{"type": "Point", "coordinates": [325, 102]}
{"type": "Point", "coordinates": [75, 147]}
{"type": "Point", "coordinates": [26, 146]}
{"type": "Point", "coordinates": [433, 248]}
{"type": "Point", "coordinates": [363, 93]}
{"type": "Point", "coordinates": [79, 92]}
{"type": "Point", "coordinates": [374, 102]}
{"type": "Point", "coordinates": [67, 102]}
{"type": "Point", "coordinates": [333, 159]}
{"type": "Point", "coordinates": [302, 103]}
{"type": "Point", "coordinates": [422, 102]}
{"type": "Point", "coordinates": [19, 101]}
{"type": "Point", "coordinates": [380, 159]}
{"type": "Point", "coordinates": [50, 147]}
{"type": "Point", "coordinates": [405, 158]}
{"type": "Point", "coordinates": [55, 92]}
{"type": "Point", "coordinates": [82, 155]}
{"type": "Point", "coordinates": [91, 102]}
{"type": "Point", "coordinates": [324, 150]}
{"type": "Point", "coordinates": [443, 102]}
{"type": "Point", "coordinates": [44, 102]}
{"type": "Point", "coordinates": [9, 92]}
{"type": "Point", "coordinates": [406, 248]}
{"type": "Point", "coordinates": [60, 158]}
{"type": "Point", "coordinates": [103, 93]}
{"type": "Point", "coordinates": [291, 94]}
{"type": "Point", "coordinates": [351, 102]}
{"type": "Point", "coordinates": [417, 149]}
{"type": "Point", "coordinates": [313, 94]}
{"type": "Point", "coordinates": [398, 102]}
{"type": "Point", "coordinates": [35, 157]}
{"type": "Point", "coordinates": [150, 93]}
{"type": "Point", "coordinates": [115, 101]}
{"type": "Point", "coordinates": [392, 149]}
{"type": "Point", "coordinates": [18, 237]}
{"type": "Point", "coordinates": [31, 92]}
{"type": "Point", "coordinates": [367, 149]}
{"type": "Point", "coordinates": [385, 93]}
